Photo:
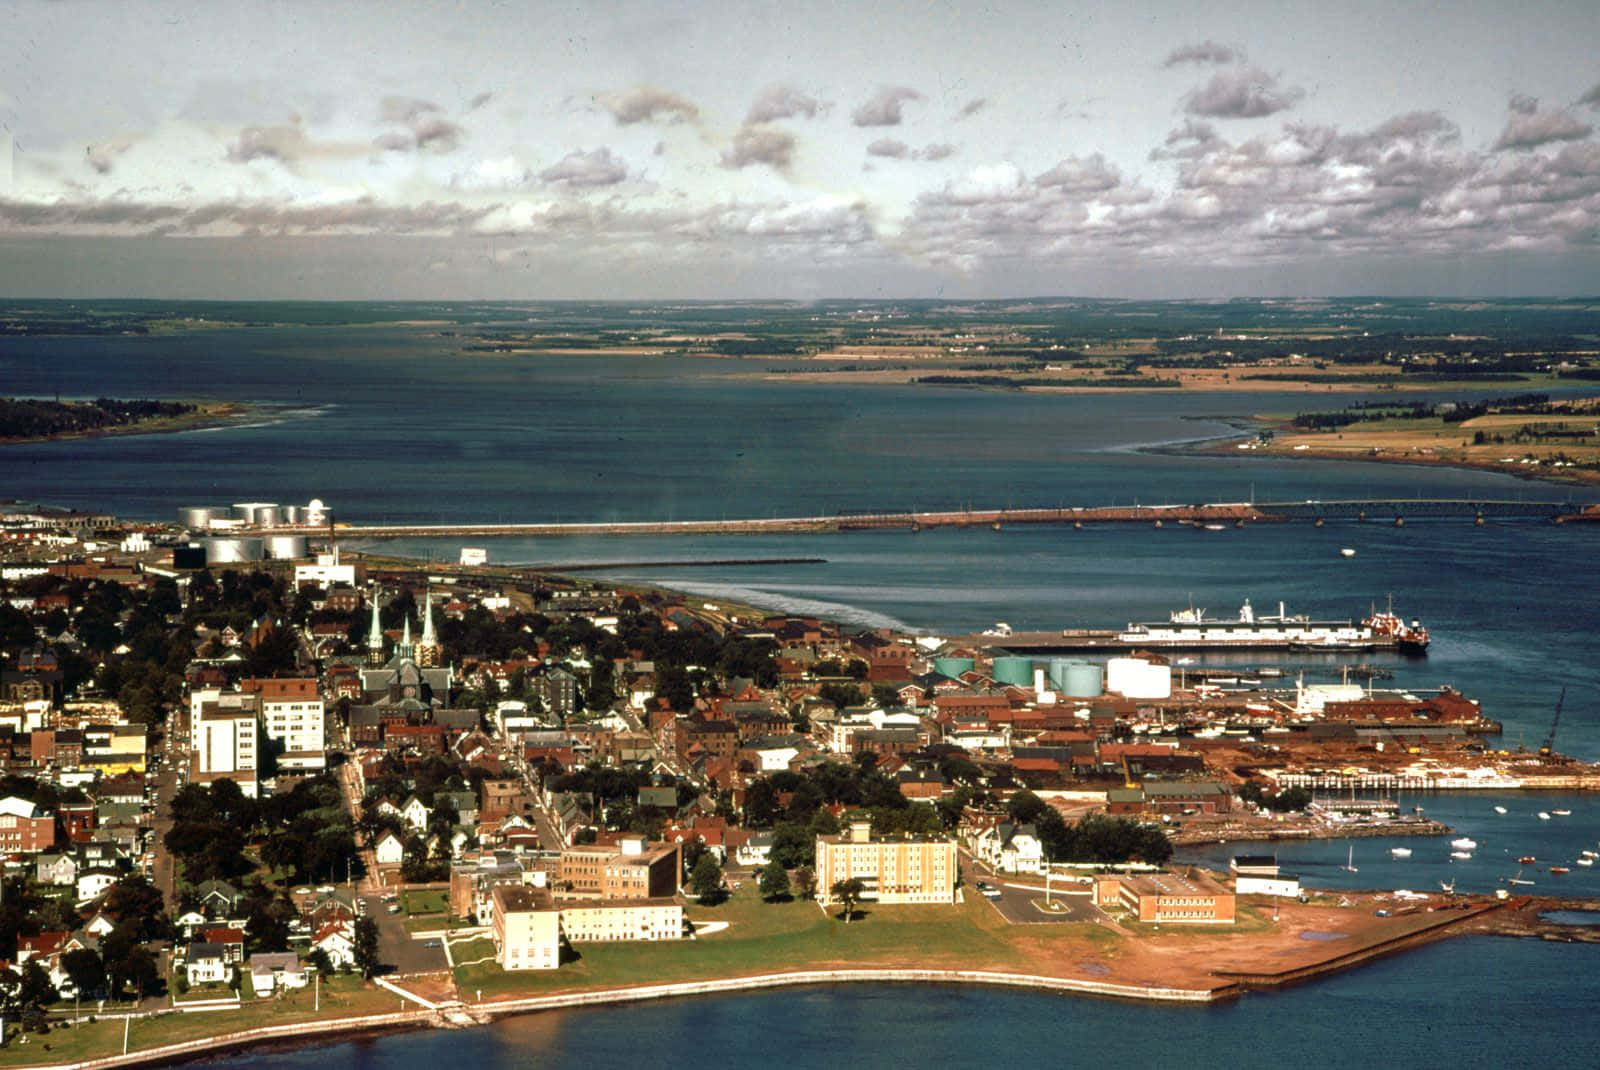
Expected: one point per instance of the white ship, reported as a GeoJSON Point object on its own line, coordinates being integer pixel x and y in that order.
{"type": "Point", "coordinates": [1191, 629]}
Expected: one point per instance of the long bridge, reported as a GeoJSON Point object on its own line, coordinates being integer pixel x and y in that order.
{"type": "Point", "coordinates": [1237, 514]}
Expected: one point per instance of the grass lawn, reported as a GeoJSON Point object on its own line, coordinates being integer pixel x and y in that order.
{"type": "Point", "coordinates": [341, 995]}
{"type": "Point", "coordinates": [479, 947]}
{"type": "Point", "coordinates": [772, 937]}
{"type": "Point", "coordinates": [425, 901]}
{"type": "Point", "coordinates": [428, 923]}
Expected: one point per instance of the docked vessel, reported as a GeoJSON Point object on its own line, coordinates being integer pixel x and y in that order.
{"type": "Point", "coordinates": [1191, 629]}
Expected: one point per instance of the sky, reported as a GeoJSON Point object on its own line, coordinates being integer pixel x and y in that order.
{"type": "Point", "coordinates": [798, 150]}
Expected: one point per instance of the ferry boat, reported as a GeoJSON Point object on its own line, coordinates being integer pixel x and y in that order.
{"type": "Point", "coordinates": [1191, 629]}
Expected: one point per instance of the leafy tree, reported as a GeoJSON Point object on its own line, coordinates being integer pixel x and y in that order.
{"type": "Point", "coordinates": [320, 961]}
{"type": "Point", "coordinates": [774, 881]}
{"type": "Point", "coordinates": [85, 969]}
{"type": "Point", "coordinates": [848, 892]}
{"type": "Point", "coordinates": [706, 879]}
{"type": "Point", "coordinates": [366, 946]}
{"type": "Point", "coordinates": [793, 845]}
{"type": "Point", "coordinates": [805, 881]}
{"type": "Point", "coordinates": [841, 695]}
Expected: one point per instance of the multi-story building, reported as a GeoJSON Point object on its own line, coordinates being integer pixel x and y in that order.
{"type": "Point", "coordinates": [23, 828]}
{"type": "Point", "coordinates": [1191, 899]}
{"type": "Point", "coordinates": [224, 738]}
{"type": "Point", "coordinates": [599, 920]}
{"type": "Point", "coordinates": [525, 926]}
{"type": "Point", "coordinates": [630, 870]}
{"type": "Point", "coordinates": [891, 869]}
{"type": "Point", "coordinates": [292, 712]}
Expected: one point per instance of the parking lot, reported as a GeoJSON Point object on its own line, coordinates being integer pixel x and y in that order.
{"type": "Point", "coordinates": [396, 947]}
{"type": "Point", "coordinates": [1024, 906]}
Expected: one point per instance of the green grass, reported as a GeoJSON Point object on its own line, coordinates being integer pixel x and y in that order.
{"type": "Point", "coordinates": [343, 995]}
{"type": "Point", "coordinates": [770, 937]}
{"type": "Point", "coordinates": [425, 901]}
{"type": "Point", "coordinates": [428, 923]}
{"type": "Point", "coordinates": [479, 947]}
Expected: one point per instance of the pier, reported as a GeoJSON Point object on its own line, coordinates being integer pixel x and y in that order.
{"type": "Point", "coordinates": [1214, 516]}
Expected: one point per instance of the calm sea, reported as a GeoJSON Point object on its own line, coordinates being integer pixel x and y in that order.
{"type": "Point", "coordinates": [390, 423]}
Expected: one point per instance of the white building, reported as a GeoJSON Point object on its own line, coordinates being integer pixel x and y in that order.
{"type": "Point", "coordinates": [328, 572]}
{"type": "Point", "coordinates": [224, 737]}
{"type": "Point", "coordinates": [292, 713]}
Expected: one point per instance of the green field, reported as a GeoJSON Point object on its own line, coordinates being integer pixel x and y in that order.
{"type": "Point", "coordinates": [764, 937]}
{"type": "Point", "coordinates": [425, 901]}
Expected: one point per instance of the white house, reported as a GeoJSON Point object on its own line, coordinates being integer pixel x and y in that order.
{"type": "Point", "coordinates": [337, 940]}
{"type": "Point", "coordinates": [389, 849]}
{"type": "Point", "coordinates": [270, 971]}
{"type": "Point", "coordinates": [1280, 884]}
{"type": "Point", "coordinates": [1021, 852]}
{"type": "Point", "coordinates": [756, 851]}
{"type": "Point", "coordinates": [414, 812]}
{"type": "Point", "coordinates": [205, 963]}
{"type": "Point", "coordinates": [92, 883]}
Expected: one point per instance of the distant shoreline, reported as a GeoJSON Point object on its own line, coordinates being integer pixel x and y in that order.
{"type": "Point", "coordinates": [207, 414]}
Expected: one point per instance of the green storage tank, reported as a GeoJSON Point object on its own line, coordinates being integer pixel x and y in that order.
{"type": "Point", "coordinates": [1076, 678]}
{"type": "Point", "coordinates": [953, 667]}
{"type": "Point", "coordinates": [1017, 671]}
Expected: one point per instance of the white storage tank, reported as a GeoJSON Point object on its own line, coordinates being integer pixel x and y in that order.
{"type": "Point", "coordinates": [1139, 677]}
{"type": "Point", "coordinates": [232, 550]}
{"type": "Point", "coordinates": [315, 513]}
{"type": "Point", "coordinates": [199, 517]}
{"type": "Point", "coordinates": [286, 547]}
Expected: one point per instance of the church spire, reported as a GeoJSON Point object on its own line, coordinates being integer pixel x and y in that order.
{"type": "Point", "coordinates": [428, 645]}
{"type": "Point", "coordinates": [375, 635]}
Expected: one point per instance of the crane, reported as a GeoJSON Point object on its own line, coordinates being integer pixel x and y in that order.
{"type": "Point", "coordinates": [1548, 748]}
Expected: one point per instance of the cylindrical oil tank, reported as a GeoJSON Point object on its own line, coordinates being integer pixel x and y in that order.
{"type": "Point", "coordinates": [1075, 677]}
{"type": "Point", "coordinates": [315, 513]}
{"type": "Point", "coordinates": [232, 550]}
{"type": "Point", "coordinates": [289, 514]}
{"type": "Point", "coordinates": [199, 517]}
{"type": "Point", "coordinates": [953, 667]}
{"type": "Point", "coordinates": [286, 547]}
{"type": "Point", "coordinates": [253, 512]}
{"type": "Point", "coordinates": [1014, 670]}
{"type": "Point", "coordinates": [1139, 678]}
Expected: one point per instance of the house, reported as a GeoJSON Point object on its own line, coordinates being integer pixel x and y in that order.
{"type": "Point", "coordinates": [218, 899]}
{"type": "Point", "coordinates": [337, 940]}
{"type": "Point", "coordinates": [231, 941]}
{"type": "Point", "coordinates": [205, 963]}
{"type": "Point", "coordinates": [415, 813]}
{"type": "Point", "coordinates": [272, 970]}
{"type": "Point", "coordinates": [53, 868]}
{"type": "Point", "coordinates": [390, 850]}
{"type": "Point", "coordinates": [93, 882]}
{"type": "Point", "coordinates": [756, 850]}
{"type": "Point", "coordinates": [1020, 849]}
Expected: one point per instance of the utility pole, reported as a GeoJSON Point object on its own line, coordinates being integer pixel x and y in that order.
{"type": "Point", "coordinates": [127, 1020]}
{"type": "Point", "coordinates": [316, 990]}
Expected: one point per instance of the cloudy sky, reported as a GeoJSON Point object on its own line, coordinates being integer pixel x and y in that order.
{"type": "Point", "coordinates": [801, 149]}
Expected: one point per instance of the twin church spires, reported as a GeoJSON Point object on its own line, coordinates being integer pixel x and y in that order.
{"type": "Point", "coordinates": [425, 652]}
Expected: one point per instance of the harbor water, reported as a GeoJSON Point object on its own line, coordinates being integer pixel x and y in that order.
{"type": "Point", "coordinates": [386, 423]}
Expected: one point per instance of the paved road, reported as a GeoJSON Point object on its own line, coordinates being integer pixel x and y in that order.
{"type": "Point", "coordinates": [1022, 905]}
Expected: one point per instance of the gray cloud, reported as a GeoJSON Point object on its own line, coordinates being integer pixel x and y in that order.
{"type": "Point", "coordinates": [1530, 129]}
{"type": "Point", "coordinates": [760, 145]}
{"type": "Point", "coordinates": [1192, 139]}
{"type": "Point", "coordinates": [394, 142]}
{"type": "Point", "coordinates": [102, 158]}
{"type": "Point", "coordinates": [1081, 175]}
{"type": "Point", "coordinates": [586, 169]}
{"type": "Point", "coordinates": [404, 109]}
{"type": "Point", "coordinates": [439, 135]}
{"type": "Point", "coordinates": [647, 104]}
{"type": "Point", "coordinates": [783, 102]}
{"type": "Point", "coordinates": [1592, 97]}
{"type": "Point", "coordinates": [1244, 93]}
{"type": "Point", "coordinates": [886, 107]}
{"type": "Point", "coordinates": [285, 143]}
{"type": "Point", "coordinates": [1523, 104]}
{"type": "Point", "coordinates": [893, 149]}
{"type": "Point", "coordinates": [977, 104]}
{"type": "Point", "coordinates": [479, 101]}
{"type": "Point", "coordinates": [1205, 52]}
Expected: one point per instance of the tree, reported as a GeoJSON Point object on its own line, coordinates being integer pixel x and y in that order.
{"type": "Point", "coordinates": [85, 970]}
{"type": "Point", "coordinates": [774, 881]}
{"type": "Point", "coordinates": [793, 845]}
{"type": "Point", "coordinates": [706, 879]}
{"type": "Point", "coordinates": [366, 946]}
{"type": "Point", "coordinates": [848, 892]}
{"type": "Point", "coordinates": [805, 880]}
{"type": "Point", "coordinates": [318, 960]}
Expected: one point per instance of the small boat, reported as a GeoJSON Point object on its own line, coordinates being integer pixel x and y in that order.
{"type": "Point", "coordinates": [1527, 860]}
{"type": "Point", "coordinates": [1464, 843]}
{"type": "Point", "coordinates": [1460, 856]}
{"type": "Point", "coordinates": [1448, 887]}
{"type": "Point", "coordinates": [1345, 551]}
{"type": "Point", "coordinates": [1588, 853]}
{"type": "Point", "coordinates": [1350, 861]}
{"type": "Point", "coordinates": [1543, 816]}
{"type": "Point", "coordinates": [1559, 870]}
{"type": "Point", "coordinates": [1499, 809]}
{"type": "Point", "coordinates": [1214, 527]}
{"type": "Point", "coordinates": [1400, 852]}
{"type": "Point", "coordinates": [1562, 813]}
{"type": "Point", "coordinates": [1501, 893]}
{"type": "Point", "coordinates": [1518, 880]}
{"type": "Point", "coordinates": [1585, 861]}
{"type": "Point", "coordinates": [1267, 671]}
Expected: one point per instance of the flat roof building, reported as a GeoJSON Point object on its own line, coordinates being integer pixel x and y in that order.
{"type": "Point", "coordinates": [892, 869]}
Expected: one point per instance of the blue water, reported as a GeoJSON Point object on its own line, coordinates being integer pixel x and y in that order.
{"type": "Point", "coordinates": [1463, 1004]}
{"type": "Point", "coordinates": [390, 423]}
